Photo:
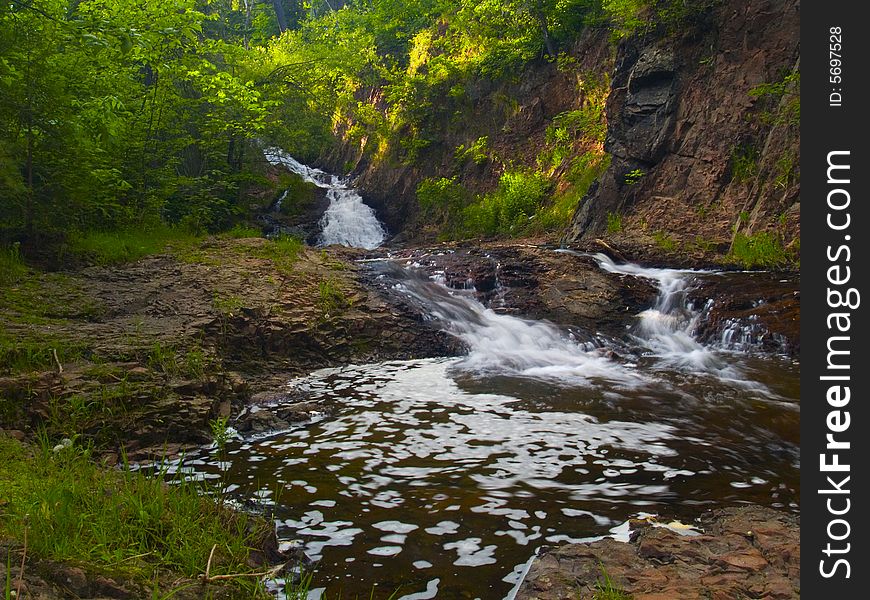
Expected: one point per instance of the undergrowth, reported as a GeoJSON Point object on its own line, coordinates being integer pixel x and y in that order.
{"type": "Point", "coordinates": [763, 249]}
{"type": "Point", "coordinates": [119, 246]}
{"type": "Point", "coordinates": [118, 521]}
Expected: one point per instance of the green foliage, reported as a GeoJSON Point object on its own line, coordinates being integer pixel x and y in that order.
{"type": "Point", "coordinates": [331, 298]}
{"type": "Point", "coordinates": [744, 162]}
{"type": "Point", "coordinates": [125, 245]}
{"type": "Point", "coordinates": [664, 241]}
{"type": "Point", "coordinates": [787, 171]}
{"type": "Point", "coordinates": [228, 305]}
{"type": "Point", "coordinates": [441, 200]}
{"type": "Point", "coordinates": [764, 249]}
{"type": "Point", "coordinates": [118, 520]}
{"type": "Point", "coordinates": [509, 208]}
{"type": "Point", "coordinates": [12, 268]}
{"type": "Point", "coordinates": [614, 222]}
{"type": "Point", "coordinates": [240, 232]}
{"type": "Point", "coordinates": [782, 99]}
{"type": "Point", "coordinates": [25, 354]}
{"type": "Point", "coordinates": [586, 124]}
{"type": "Point", "coordinates": [477, 151]}
{"type": "Point", "coordinates": [605, 589]}
{"type": "Point", "coordinates": [118, 113]}
{"type": "Point", "coordinates": [282, 250]}
{"type": "Point", "coordinates": [632, 177]}
{"type": "Point", "coordinates": [664, 17]}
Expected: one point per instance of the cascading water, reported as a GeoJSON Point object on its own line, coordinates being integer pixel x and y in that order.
{"type": "Point", "coordinates": [441, 477]}
{"type": "Point", "coordinates": [668, 328]}
{"type": "Point", "coordinates": [503, 344]}
{"type": "Point", "coordinates": [348, 221]}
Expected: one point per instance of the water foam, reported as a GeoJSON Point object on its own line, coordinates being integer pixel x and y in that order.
{"type": "Point", "coordinates": [348, 221]}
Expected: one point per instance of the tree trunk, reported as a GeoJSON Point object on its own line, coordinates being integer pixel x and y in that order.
{"type": "Point", "coordinates": [280, 14]}
{"type": "Point", "coordinates": [545, 31]}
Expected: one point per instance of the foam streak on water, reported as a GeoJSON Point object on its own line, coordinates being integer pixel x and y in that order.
{"type": "Point", "coordinates": [348, 221]}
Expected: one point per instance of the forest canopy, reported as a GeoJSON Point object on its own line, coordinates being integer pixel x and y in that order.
{"type": "Point", "coordinates": [129, 113]}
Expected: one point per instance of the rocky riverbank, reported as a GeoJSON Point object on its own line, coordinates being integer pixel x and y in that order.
{"type": "Point", "coordinates": [745, 552]}
{"type": "Point", "coordinates": [141, 356]}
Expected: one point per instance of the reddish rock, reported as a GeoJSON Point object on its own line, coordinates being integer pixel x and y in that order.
{"type": "Point", "coordinates": [724, 563]}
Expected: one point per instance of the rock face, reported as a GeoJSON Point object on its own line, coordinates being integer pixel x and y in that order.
{"type": "Point", "coordinates": [702, 129]}
{"type": "Point", "coordinates": [747, 552]}
{"type": "Point", "coordinates": [513, 114]}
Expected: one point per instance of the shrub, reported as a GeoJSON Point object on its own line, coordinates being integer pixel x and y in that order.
{"type": "Point", "coordinates": [477, 151]}
{"type": "Point", "coordinates": [744, 162]}
{"type": "Point", "coordinates": [508, 209]}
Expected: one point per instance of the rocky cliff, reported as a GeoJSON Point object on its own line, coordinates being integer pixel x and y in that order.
{"type": "Point", "coordinates": [512, 112]}
{"type": "Point", "coordinates": [703, 130]}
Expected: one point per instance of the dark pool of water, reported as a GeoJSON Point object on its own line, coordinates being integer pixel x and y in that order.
{"type": "Point", "coordinates": [441, 482]}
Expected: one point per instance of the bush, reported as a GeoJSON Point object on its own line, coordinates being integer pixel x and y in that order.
{"type": "Point", "coordinates": [508, 209]}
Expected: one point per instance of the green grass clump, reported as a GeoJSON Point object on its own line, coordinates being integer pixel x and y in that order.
{"type": "Point", "coordinates": [12, 268]}
{"type": "Point", "coordinates": [331, 298]}
{"type": "Point", "coordinates": [763, 249]}
{"type": "Point", "coordinates": [29, 353]}
{"type": "Point", "coordinates": [283, 251]}
{"type": "Point", "coordinates": [664, 241]}
{"type": "Point", "coordinates": [605, 589]}
{"type": "Point", "coordinates": [117, 521]}
{"type": "Point", "coordinates": [614, 222]}
{"type": "Point", "coordinates": [113, 247]}
{"type": "Point", "coordinates": [240, 231]}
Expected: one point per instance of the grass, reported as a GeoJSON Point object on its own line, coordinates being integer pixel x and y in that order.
{"type": "Point", "coordinates": [605, 589]}
{"type": "Point", "coordinates": [192, 362]}
{"type": "Point", "coordinates": [664, 241]}
{"type": "Point", "coordinates": [331, 298]}
{"type": "Point", "coordinates": [763, 249]}
{"type": "Point", "coordinates": [614, 222]}
{"type": "Point", "coordinates": [12, 268]}
{"type": "Point", "coordinates": [114, 247]}
{"type": "Point", "coordinates": [27, 354]}
{"type": "Point", "coordinates": [283, 251]}
{"type": "Point", "coordinates": [227, 305]}
{"type": "Point", "coordinates": [240, 231]}
{"type": "Point", "coordinates": [117, 521]}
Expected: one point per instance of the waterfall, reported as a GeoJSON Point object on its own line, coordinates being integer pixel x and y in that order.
{"type": "Point", "coordinates": [348, 221]}
{"type": "Point", "coordinates": [500, 344]}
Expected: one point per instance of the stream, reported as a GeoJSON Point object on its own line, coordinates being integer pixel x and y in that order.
{"type": "Point", "coordinates": [441, 478]}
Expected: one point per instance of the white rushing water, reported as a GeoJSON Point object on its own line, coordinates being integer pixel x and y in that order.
{"type": "Point", "coordinates": [508, 345]}
{"type": "Point", "coordinates": [443, 476]}
{"type": "Point", "coordinates": [348, 221]}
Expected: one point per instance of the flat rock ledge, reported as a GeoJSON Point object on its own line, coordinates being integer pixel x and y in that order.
{"type": "Point", "coordinates": [745, 552]}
